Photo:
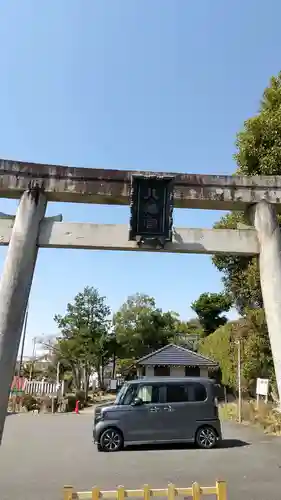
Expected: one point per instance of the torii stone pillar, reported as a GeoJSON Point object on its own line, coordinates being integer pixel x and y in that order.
{"type": "Point", "coordinates": [264, 218]}
{"type": "Point", "coordinates": [15, 286]}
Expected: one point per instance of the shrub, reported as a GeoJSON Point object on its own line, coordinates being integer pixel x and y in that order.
{"type": "Point", "coordinates": [46, 404]}
{"type": "Point", "coordinates": [30, 402]}
{"type": "Point", "coordinates": [265, 415]}
{"type": "Point", "coordinates": [80, 395]}
{"type": "Point", "coordinates": [71, 402]}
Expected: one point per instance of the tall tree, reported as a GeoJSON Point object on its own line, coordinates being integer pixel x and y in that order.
{"type": "Point", "coordinates": [141, 327]}
{"type": "Point", "coordinates": [84, 331]}
{"type": "Point", "coordinates": [186, 332]}
{"type": "Point", "coordinates": [190, 327]}
{"type": "Point", "coordinates": [256, 359]}
{"type": "Point", "coordinates": [209, 308]}
{"type": "Point", "coordinates": [258, 153]}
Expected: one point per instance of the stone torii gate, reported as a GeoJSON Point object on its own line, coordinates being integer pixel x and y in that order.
{"type": "Point", "coordinates": [36, 184]}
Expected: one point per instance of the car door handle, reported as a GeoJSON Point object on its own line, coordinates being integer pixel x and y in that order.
{"type": "Point", "coordinates": [168, 408]}
{"type": "Point", "coordinates": [154, 408]}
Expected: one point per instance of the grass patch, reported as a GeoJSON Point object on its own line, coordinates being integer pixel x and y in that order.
{"type": "Point", "coordinates": [265, 416]}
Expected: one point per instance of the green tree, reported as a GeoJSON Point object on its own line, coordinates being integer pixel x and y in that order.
{"type": "Point", "coordinates": [240, 273]}
{"type": "Point", "coordinates": [256, 358]}
{"type": "Point", "coordinates": [258, 153]}
{"type": "Point", "coordinates": [141, 327]}
{"type": "Point", "coordinates": [190, 327]}
{"type": "Point", "coordinates": [219, 346]}
{"type": "Point", "coordinates": [185, 332]}
{"type": "Point", "coordinates": [30, 368]}
{"type": "Point", "coordinates": [84, 333]}
{"type": "Point", "coordinates": [209, 308]}
{"type": "Point", "coordinates": [257, 354]}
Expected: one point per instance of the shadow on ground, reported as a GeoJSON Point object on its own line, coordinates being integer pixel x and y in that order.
{"type": "Point", "coordinates": [233, 443]}
{"type": "Point", "coordinates": [226, 443]}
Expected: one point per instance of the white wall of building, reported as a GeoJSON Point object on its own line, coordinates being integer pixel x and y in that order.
{"type": "Point", "coordinates": [149, 371]}
{"type": "Point", "coordinates": [204, 372]}
{"type": "Point", "coordinates": [175, 371]}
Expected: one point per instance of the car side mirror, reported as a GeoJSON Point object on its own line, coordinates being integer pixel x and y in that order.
{"type": "Point", "coordinates": [137, 402]}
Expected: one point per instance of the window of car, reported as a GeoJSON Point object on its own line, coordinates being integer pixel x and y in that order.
{"type": "Point", "coordinates": [148, 393]}
{"type": "Point", "coordinates": [120, 394]}
{"type": "Point", "coordinates": [187, 392]}
{"type": "Point", "coordinates": [129, 395]}
{"type": "Point", "coordinates": [197, 392]}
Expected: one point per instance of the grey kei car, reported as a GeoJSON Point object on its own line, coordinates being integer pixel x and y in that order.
{"type": "Point", "coordinates": [159, 410]}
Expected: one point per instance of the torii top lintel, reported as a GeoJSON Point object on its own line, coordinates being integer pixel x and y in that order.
{"type": "Point", "coordinates": [112, 187]}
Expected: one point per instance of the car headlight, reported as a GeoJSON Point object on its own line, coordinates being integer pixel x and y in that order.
{"type": "Point", "coordinates": [98, 417]}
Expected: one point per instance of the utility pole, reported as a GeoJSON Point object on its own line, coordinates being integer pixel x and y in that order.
{"type": "Point", "coordinates": [57, 386]}
{"type": "Point", "coordinates": [239, 380]}
{"type": "Point", "coordinates": [33, 358]}
{"type": "Point", "coordinates": [58, 374]}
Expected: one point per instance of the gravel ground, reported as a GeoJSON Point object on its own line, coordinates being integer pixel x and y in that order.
{"type": "Point", "coordinates": [42, 453]}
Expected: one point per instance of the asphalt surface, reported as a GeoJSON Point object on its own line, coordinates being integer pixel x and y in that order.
{"type": "Point", "coordinates": [40, 454]}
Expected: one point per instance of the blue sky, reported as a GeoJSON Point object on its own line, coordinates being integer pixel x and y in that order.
{"type": "Point", "coordinates": [130, 84]}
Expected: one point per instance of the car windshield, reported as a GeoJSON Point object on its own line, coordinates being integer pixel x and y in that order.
{"type": "Point", "coordinates": [121, 394]}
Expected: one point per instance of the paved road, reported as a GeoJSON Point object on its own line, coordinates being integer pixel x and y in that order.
{"type": "Point", "coordinates": [41, 453]}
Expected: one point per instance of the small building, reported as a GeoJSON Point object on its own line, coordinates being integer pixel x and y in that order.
{"type": "Point", "coordinates": [175, 361]}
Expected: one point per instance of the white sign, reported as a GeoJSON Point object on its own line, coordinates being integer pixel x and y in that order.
{"type": "Point", "coordinates": [262, 386]}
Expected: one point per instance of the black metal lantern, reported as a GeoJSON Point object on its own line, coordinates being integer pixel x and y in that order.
{"type": "Point", "coordinates": [151, 208]}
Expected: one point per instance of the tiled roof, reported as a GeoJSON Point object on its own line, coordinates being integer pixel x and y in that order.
{"type": "Point", "coordinates": [175, 355]}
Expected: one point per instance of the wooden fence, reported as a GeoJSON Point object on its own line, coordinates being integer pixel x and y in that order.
{"type": "Point", "coordinates": [40, 388]}
{"type": "Point", "coordinates": [146, 493]}
{"type": "Point", "coordinates": [22, 386]}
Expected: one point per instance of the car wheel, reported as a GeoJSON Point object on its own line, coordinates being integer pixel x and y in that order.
{"type": "Point", "coordinates": [111, 440]}
{"type": "Point", "coordinates": [206, 438]}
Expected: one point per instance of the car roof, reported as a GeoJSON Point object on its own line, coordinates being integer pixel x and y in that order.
{"type": "Point", "coordinates": [157, 380]}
